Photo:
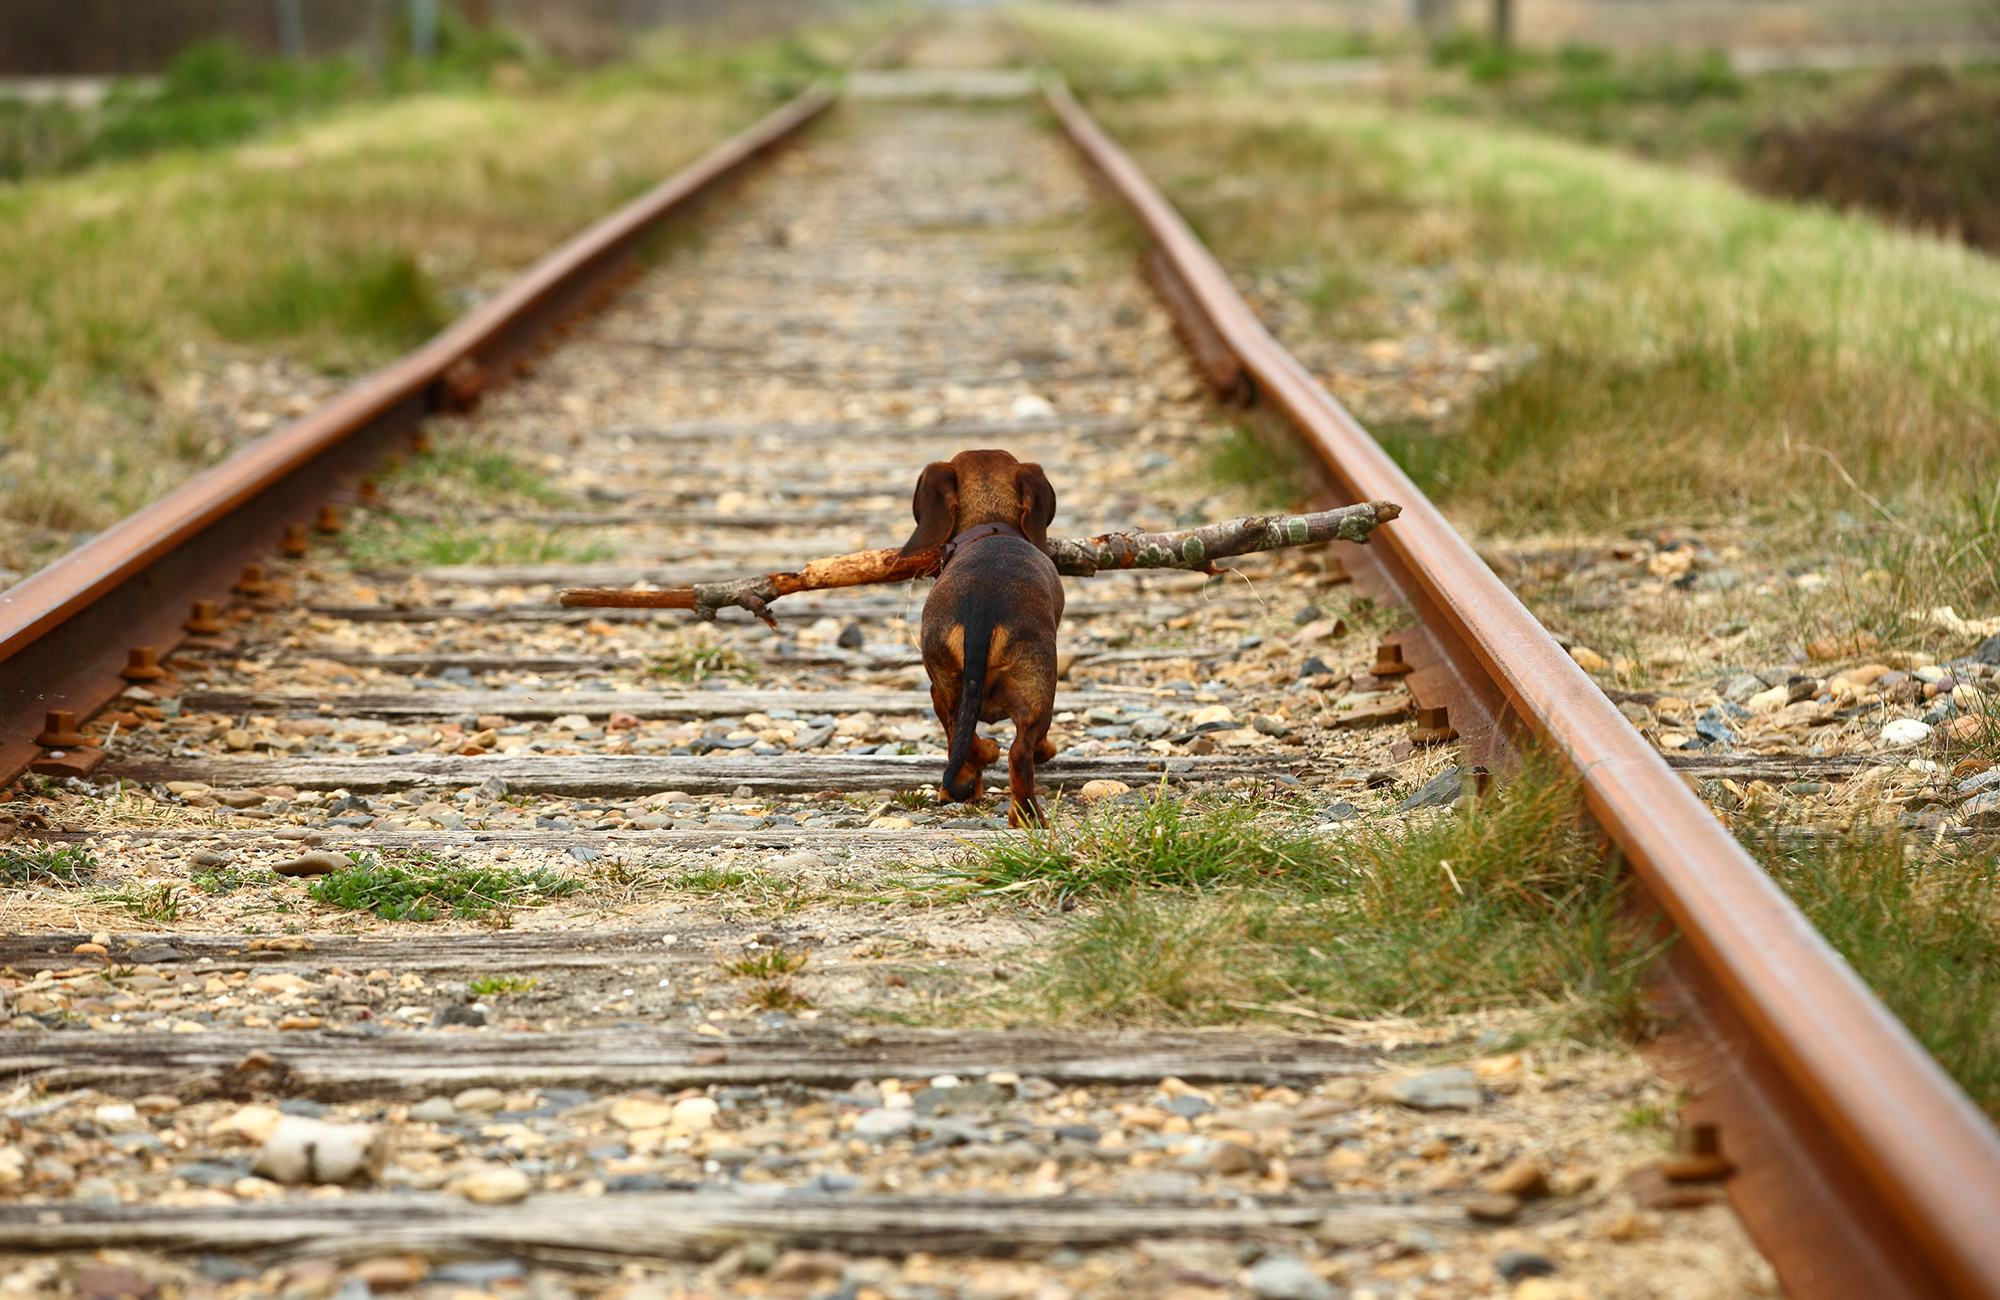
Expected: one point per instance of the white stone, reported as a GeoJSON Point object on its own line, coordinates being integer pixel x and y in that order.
{"type": "Point", "coordinates": [1904, 732]}
{"type": "Point", "coordinates": [1768, 701]}
{"type": "Point", "coordinates": [495, 1185]}
{"type": "Point", "coordinates": [637, 1113]}
{"type": "Point", "coordinates": [880, 1123]}
{"type": "Point", "coordinates": [256, 1123]}
{"type": "Point", "coordinates": [118, 1116]}
{"type": "Point", "coordinates": [302, 1150]}
{"type": "Point", "coordinates": [479, 1099]}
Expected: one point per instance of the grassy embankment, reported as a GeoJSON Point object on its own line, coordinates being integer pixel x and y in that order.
{"type": "Point", "coordinates": [1820, 388]}
{"type": "Point", "coordinates": [255, 215]}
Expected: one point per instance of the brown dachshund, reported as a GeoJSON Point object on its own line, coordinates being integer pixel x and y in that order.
{"type": "Point", "coordinates": [990, 623]}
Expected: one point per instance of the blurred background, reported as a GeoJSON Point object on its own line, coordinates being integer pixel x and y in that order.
{"type": "Point", "coordinates": [119, 37]}
{"type": "Point", "coordinates": [214, 213]}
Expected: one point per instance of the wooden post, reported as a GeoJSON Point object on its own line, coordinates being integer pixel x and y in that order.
{"type": "Point", "coordinates": [1503, 24]}
{"type": "Point", "coordinates": [292, 29]}
{"type": "Point", "coordinates": [423, 29]}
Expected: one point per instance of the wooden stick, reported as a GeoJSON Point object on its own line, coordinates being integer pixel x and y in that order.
{"type": "Point", "coordinates": [1078, 557]}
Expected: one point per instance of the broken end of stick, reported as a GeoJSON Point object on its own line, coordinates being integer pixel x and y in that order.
{"type": "Point", "coordinates": [755, 604]}
{"type": "Point", "coordinates": [1385, 511]}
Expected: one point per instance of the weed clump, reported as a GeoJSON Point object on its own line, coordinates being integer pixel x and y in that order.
{"type": "Point", "coordinates": [468, 485]}
{"type": "Point", "coordinates": [220, 880]}
{"type": "Point", "coordinates": [493, 986]}
{"type": "Point", "coordinates": [697, 663]}
{"type": "Point", "coordinates": [62, 864]}
{"type": "Point", "coordinates": [460, 470]}
{"type": "Point", "coordinates": [380, 295]}
{"type": "Point", "coordinates": [394, 540]}
{"type": "Point", "coordinates": [769, 963]}
{"type": "Point", "coordinates": [159, 902]}
{"type": "Point", "coordinates": [1161, 843]}
{"type": "Point", "coordinates": [1921, 926]}
{"type": "Point", "coordinates": [771, 970]}
{"type": "Point", "coordinates": [423, 887]}
{"type": "Point", "coordinates": [1208, 914]}
{"type": "Point", "coordinates": [1271, 470]}
{"type": "Point", "coordinates": [777, 995]}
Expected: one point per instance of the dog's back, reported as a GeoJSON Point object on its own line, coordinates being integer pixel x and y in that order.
{"type": "Point", "coordinates": [1008, 590]}
{"type": "Point", "coordinates": [989, 632]}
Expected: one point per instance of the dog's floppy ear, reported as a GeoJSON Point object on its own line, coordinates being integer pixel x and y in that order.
{"type": "Point", "coordinates": [1038, 504]}
{"type": "Point", "coordinates": [935, 505]}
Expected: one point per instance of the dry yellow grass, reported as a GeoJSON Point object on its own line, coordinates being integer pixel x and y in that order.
{"type": "Point", "coordinates": [155, 315]}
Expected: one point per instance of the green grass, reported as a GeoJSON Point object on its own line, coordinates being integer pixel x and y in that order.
{"type": "Point", "coordinates": [1166, 842]}
{"type": "Point", "coordinates": [384, 542]}
{"type": "Point", "coordinates": [215, 94]}
{"type": "Point", "coordinates": [374, 295]}
{"type": "Point", "coordinates": [1920, 924]}
{"type": "Point", "coordinates": [1272, 470]}
{"type": "Point", "coordinates": [24, 863]}
{"type": "Point", "coordinates": [419, 886]}
{"type": "Point", "coordinates": [1210, 914]}
{"type": "Point", "coordinates": [772, 963]}
{"type": "Point", "coordinates": [1700, 355]}
{"type": "Point", "coordinates": [159, 902]}
{"type": "Point", "coordinates": [221, 880]}
{"type": "Point", "coordinates": [1660, 102]}
{"type": "Point", "coordinates": [244, 215]}
{"type": "Point", "coordinates": [493, 986]}
{"type": "Point", "coordinates": [712, 880]}
{"type": "Point", "coordinates": [701, 661]}
{"type": "Point", "coordinates": [212, 94]}
{"type": "Point", "coordinates": [1100, 47]}
{"type": "Point", "coordinates": [448, 506]}
{"type": "Point", "coordinates": [771, 971]}
{"type": "Point", "coordinates": [459, 470]}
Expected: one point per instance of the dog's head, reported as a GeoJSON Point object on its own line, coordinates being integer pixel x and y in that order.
{"type": "Point", "coordinates": [980, 487]}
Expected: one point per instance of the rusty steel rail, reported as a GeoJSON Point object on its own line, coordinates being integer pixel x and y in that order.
{"type": "Point", "coordinates": [1863, 1171]}
{"type": "Point", "coordinates": [65, 631]}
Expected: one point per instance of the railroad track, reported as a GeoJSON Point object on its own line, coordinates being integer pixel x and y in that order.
{"type": "Point", "coordinates": [879, 285]}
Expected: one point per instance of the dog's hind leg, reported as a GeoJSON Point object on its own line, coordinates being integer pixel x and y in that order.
{"type": "Point", "coordinates": [984, 749]}
{"type": "Point", "coordinates": [1031, 742]}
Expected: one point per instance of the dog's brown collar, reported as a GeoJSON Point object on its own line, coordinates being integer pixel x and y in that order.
{"type": "Point", "coordinates": [975, 533]}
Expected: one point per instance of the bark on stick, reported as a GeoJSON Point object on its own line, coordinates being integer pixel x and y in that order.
{"type": "Point", "coordinates": [1078, 557]}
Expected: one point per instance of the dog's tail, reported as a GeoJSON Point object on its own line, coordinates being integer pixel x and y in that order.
{"type": "Point", "coordinates": [971, 701]}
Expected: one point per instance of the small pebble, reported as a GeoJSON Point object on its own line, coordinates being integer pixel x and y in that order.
{"type": "Point", "coordinates": [1438, 1090]}
{"type": "Point", "coordinates": [319, 862]}
{"type": "Point", "coordinates": [1281, 1275]}
{"type": "Point", "coordinates": [1514, 1265]}
{"type": "Point", "coordinates": [479, 1100]}
{"type": "Point", "coordinates": [495, 1185]}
